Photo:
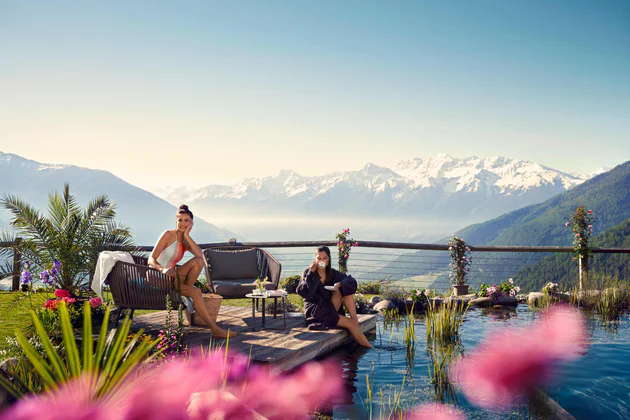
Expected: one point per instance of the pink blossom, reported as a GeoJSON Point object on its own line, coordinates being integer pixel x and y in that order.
{"type": "Point", "coordinates": [434, 411]}
{"type": "Point", "coordinates": [577, 235]}
{"type": "Point", "coordinates": [356, 244]}
{"type": "Point", "coordinates": [345, 256]}
{"type": "Point", "coordinates": [51, 304]}
{"type": "Point", "coordinates": [95, 302]}
{"type": "Point", "coordinates": [590, 212]}
{"type": "Point", "coordinates": [69, 300]}
{"type": "Point", "coordinates": [73, 401]}
{"type": "Point", "coordinates": [567, 224]}
{"type": "Point", "coordinates": [590, 226]}
{"type": "Point", "coordinates": [195, 388]}
{"type": "Point", "coordinates": [61, 293]}
{"type": "Point", "coordinates": [491, 383]}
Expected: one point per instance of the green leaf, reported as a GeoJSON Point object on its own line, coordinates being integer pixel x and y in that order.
{"type": "Point", "coordinates": [55, 359]}
{"type": "Point", "coordinates": [88, 341]}
{"type": "Point", "coordinates": [36, 360]}
{"type": "Point", "coordinates": [70, 344]}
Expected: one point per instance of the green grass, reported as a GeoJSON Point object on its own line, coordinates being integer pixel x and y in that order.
{"type": "Point", "coordinates": [15, 312]}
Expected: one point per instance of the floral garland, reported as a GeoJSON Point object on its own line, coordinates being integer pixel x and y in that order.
{"type": "Point", "coordinates": [460, 259]}
{"type": "Point", "coordinates": [581, 224]}
{"type": "Point", "coordinates": [344, 244]}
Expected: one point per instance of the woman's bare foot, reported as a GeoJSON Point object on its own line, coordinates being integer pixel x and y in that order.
{"type": "Point", "coordinates": [221, 333]}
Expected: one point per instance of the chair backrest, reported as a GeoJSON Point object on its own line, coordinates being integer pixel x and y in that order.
{"type": "Point", "coordinates": [136, 286]}
{"type": "Point", "coordinates": [233, 264]}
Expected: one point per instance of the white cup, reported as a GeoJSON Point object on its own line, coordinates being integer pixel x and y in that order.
{"type": "Point", "coordinates": [321, 265]}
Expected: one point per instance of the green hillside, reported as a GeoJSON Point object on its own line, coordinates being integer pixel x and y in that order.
{"type": "Point", "coordinates": [560, 268]}
{"type": "Point", "coordinates": [608, 195]}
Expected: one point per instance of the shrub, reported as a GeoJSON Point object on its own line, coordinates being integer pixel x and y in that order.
{"type": "Point", "coordinates": [396, 295]}
{"type": "Point", "coordinates": [290, 283]}
{"type": "Point", "coordinates": [372, 287]}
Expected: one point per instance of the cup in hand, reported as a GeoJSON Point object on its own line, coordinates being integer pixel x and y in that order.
{"type": "Point", "coordinates": [321, 265]}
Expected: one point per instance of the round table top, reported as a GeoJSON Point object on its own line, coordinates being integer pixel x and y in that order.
{"type": "Point", "coordinates": [253, 296]}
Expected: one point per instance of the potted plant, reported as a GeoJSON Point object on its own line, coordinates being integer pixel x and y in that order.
{"type": "Point", "coordinates": [460, 264]}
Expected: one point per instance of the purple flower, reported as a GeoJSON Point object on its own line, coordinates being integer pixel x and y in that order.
{"type": "Point", "coordinates": [26, 277]}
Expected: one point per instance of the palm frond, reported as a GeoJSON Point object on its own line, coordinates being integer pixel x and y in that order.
{"type": "Point", "coordinates": [26, 219]}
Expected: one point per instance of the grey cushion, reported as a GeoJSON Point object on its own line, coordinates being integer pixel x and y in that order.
{"type": "Point", "coordinates": [228, 265]}
{"type": "Point", "coordinates": [238, 288]}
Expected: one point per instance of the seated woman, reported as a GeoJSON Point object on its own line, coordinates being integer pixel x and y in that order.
{"type": "Point", "coordinates": [169, 250]}
{"type": "Point", "coordinates": [322, 306]}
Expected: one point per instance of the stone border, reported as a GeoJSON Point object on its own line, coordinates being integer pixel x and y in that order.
{"type": "Point", "coordinates": [543, 405]}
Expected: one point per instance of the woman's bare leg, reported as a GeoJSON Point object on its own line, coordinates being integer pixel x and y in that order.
{"type": "Point", "coordinates": [336, 299]}
{"type": "Point", "coordinates": [355, 330]}
{"type": "Point", "coordinates": [351, 307]}
{"type": "Point", "coordinates": [188, 274]}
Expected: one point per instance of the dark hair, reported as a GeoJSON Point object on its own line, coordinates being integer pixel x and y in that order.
{"type": "Point", "coordinates": [183, 209]}
{"type": "Point", "coordinates": [329, 273]}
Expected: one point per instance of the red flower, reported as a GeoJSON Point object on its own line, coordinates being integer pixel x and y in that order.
{"type": "Point", "coordinates": [51, 304]}
{"type": "Point", "coordinates": [61, 293]}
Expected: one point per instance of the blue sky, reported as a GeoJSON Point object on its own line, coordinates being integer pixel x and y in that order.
{"type": "Point", "coordinates": [197, 93]}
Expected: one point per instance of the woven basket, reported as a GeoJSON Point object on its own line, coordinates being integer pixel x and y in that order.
{"type": "Point", "coordinates": [213, 304]}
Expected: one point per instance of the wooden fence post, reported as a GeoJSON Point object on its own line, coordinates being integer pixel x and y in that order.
{"type": "Point", "coordinates": [583, 271]}
{"type": "Point", "coordinates": [17, 262]}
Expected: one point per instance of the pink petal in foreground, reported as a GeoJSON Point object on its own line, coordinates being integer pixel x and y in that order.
{"type": "Point", "coordinates": [508, 365]}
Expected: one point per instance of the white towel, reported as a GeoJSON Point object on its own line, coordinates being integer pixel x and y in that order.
{"type": "Point", "coordinates": [104, 265]}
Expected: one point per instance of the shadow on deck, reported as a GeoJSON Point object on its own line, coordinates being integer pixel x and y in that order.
{"type": "Point", "coordinates": [282, 349]}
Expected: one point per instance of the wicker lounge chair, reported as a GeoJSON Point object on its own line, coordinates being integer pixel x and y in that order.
{"type": "Point", "coordinates": [138, 286]}
{"type": "Point", "coordinates": [233, 271]}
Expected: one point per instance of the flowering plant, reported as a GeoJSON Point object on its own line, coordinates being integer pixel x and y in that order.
{"type": "Point", "coordinates": [581, 224]}
{"type": "Point", "coordinates": [420, 295]}
{"type": "Point", "coordinates": [550, 288]}
{"type": "Point", "coordinates": [51, 277]}
{"type": "Point", "coordinates": [26, 277]}
{"type": "Point", "coordinates": [460, 259]}
{"type": "Point", "coordinates": [260, 284]}
{"type": "Point", "coordinates": [171, 339]}
{"type": "Point", "coordinates": [344, 244]}
{"type": "Point", "coordinates": [506, 288]}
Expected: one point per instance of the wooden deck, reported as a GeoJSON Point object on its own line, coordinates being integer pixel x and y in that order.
{"type": "Point", "coordinates": [283, 349]}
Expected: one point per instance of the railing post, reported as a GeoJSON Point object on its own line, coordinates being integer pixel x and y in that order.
{"type": "Point", "coordinates": [17, 262]}
{"type": "Point", "coordinates": [583, 269]}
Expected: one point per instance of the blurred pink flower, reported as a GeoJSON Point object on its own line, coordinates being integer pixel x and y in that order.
{"type": "Point", "coordinates": [435, 411]}
{"type": "Point", "coordinates": [95, 302]}
{"type": "Point", "coordinates": [590, 212]}
{"type": "Point", "coordinates": [497, 372]}
{"type": "Point", "coordinates": [73, 401]}
{"type": "Point", "coordinates": [567, 224]}
{"type": "Point", "coordinates": [195, 388]}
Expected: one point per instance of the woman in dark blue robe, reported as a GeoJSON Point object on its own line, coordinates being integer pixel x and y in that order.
{"type": "Point", "coordinates": [323, 307]}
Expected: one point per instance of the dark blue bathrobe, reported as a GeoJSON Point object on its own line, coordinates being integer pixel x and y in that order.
{"type": "Point", "coordinates": [318, 305]}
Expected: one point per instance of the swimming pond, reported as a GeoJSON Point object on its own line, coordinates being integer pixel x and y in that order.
{"type": "Point", "coordinates": [594, 386]}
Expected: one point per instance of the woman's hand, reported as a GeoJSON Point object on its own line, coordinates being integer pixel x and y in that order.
{"type": "Point", "coordinates": [313, 267]}
{"type": "Point", "coordinates": [188, 229]}
{"type": "Point", "coordinates": [336, 286]}
{"type": "Point", "coordinates": [169, 272]}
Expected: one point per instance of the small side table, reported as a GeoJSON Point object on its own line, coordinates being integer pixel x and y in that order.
{"type": "Point", "coordinates": [255, 299]}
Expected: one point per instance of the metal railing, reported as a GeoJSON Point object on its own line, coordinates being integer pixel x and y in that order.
{"type": "Point", "coordinates": [410, 265]}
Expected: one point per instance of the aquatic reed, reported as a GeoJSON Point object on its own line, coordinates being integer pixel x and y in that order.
{"type": "Point", "coordinates": [443, 321]}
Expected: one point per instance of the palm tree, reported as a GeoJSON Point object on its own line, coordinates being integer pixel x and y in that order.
{"type": "Point", "coordinates": [68, 233]}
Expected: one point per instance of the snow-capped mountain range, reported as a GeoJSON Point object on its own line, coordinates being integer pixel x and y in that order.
{"type": "Point", "coordinates": [147, 215]}
{"type": "Point", "coordinates": [438, 188]}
